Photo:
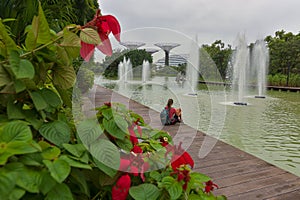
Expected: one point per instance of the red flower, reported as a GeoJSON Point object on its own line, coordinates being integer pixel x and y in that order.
{"type": "Point", "coordinates": [133, 138]}
{"type": "Point", "coordinates": [104, 24]}
{"type": "Point", "coordinates": [121, 189]}
{"type": "Point", "coordinates": [180, 157]}
{"type": "Point", "coordinates": [107, 104]}
{"type": "Point", "coordinates": [134, 163]}
{"type": "Point", "coordinates": [210, 186]}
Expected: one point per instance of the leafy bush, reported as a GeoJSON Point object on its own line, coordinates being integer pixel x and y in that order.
{"type": "Point", "coordinates": [45, 154]}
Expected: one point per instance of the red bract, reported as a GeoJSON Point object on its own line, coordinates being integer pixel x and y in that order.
{"type": "Point", "coordinates": [210, 186]}
{"type": "Point", "coordinates": [104, 24]}
{"type": "Point", "coordinates": [121, 189]}
{"type": "Point", "coordinates": [179, 157]}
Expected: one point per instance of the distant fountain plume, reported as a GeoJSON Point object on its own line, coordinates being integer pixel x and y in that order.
{"type": "Point", "coordinates": [145, 71]}
{"type": "Point", "coordinates": [240, 72]}
{"type": "Point", "coordinates": [125, 73]}
{"type": "Point", "coordinates": [192, 69]}
{"type": "Point", "coordinates": [259, 63]}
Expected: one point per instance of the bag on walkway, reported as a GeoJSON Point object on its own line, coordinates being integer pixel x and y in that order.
{"type": "Point", "coordinates": [164, 117]}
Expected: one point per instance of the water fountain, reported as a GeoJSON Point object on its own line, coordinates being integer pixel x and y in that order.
{"type": "Point", "coordinates": [192, 69]}
{"type": "Point", "coordinates": [259, 64]}
{"type": "Point", "coordinates": [125, 73]}
{"type": "Point", "coordinates": [145, 71]}
{"type": "Point", "coordinates": [240, 66]}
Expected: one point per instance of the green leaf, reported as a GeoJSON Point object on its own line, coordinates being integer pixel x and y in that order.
{"type": "Point", "coordinates": [113, 129]}
{"type": "Point", "coordinates": [75, 149]}
{"type": "Point", "coordinates": [155, 175]}
{"type": "Point", "coordinates": [121, 122]}
{"type": "Point", "coordinates": [144, 191]}
{"type": "Point", "coordinates": [26, 70]}
{"type": "Point", "coordinates": [199, 178]}
{"type": "Point", "coordinates": [14, 111]}
{"type": "Point", "coordinates": [59, 169]}
{"type": "Point", "coordinates": [78, 178]}
{"type": "Point", "coordinates": [88, 131]}
{"type": "Point", "coordinates": [8, 181]}
{"type": "Point", "coordinates": [39, 32]}
{"type": "Point", "coordinates": [172, 186]}
{"type": "Point", "coordinates": [194, 197]}
{"type": "Point", "coordinates": [20, 147]}
{"type": "Point", "coordinates": [4, 76]}
{"type": "Point", "coordinates": [7, 43]}
{"type": "Point", "coordinates": [60, 192]}
{"type": "Point", "coordinates": [47, 183]}
{"type": "Point", "coordinates": [33, 159]}
{"type": "Point", "coordinates": [71, 43]}
{"type": "Point", "coordinates": [30, 180]}
{"type": "Point", "coordinates": [21, 68]}
{"type": "Point", "coordinates": [57, 132]}
{"type": "Point", "coordinates": [19, 86]}
{"type": "Point", "coordinates": [107, 113]}
{"type": "Point", "coordinates": [106, 152]}
{"type": "Point", "coordinates": [90, 36]}
{"type": "Point", "coordinates": [64, 76]}
{"type": "Point", "coordinates": [16, 131]}
{"type": "Point", "coordinates": [51, 153]}
{"type": "Point", "coordinates": [124, 144]}
{"type": "Point", "coordinates": [107, 170]}
{"type": "Point", "coordinates": [38, 101]}
{"type": "Point", "coordinates": [16, 193]}
{"type": "Point", "coordinates": [4, 156]}
{"type": "Point", "coordinates": [52, 98]}
{"type": "Point", "coordinates": [74, 163]}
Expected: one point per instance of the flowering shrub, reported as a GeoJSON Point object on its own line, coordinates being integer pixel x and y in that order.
{"type": "Point", "coordinates": [150, 166]}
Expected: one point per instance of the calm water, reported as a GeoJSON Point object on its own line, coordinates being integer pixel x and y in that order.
{"type": "Point", "coordinates": [267, 128]}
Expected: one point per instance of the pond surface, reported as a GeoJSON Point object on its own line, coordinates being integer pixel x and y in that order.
{"type": "Point", "coordinates": [267, 128]}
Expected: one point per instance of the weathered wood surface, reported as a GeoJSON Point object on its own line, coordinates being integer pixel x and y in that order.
{"type": "Point", "coordinates": [238, 174]}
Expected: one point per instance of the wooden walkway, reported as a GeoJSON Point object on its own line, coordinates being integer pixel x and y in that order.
{"type": "Point", "coordinates": [239, 175]}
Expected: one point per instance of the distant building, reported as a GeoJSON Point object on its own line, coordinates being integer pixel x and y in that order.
{"type": "Point", "coordinates": [174, 60]}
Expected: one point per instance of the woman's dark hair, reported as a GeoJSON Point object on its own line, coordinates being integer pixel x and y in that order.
{"type": "Point", "coordinates": [170, 103]}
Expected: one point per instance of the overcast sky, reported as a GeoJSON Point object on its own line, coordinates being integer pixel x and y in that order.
{"type": "Point", "coordinates": [208, 19]}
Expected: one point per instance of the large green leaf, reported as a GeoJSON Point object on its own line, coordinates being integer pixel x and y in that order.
{"type": "Point", "coordinates": [39, 32]}
{"type": "Point", "coordinates": [19, 85]}
{"type": "Point", "coordinates": [60, 192]}
{"type": "Point", "coordinates": [57, 132]}
{"type": "Point", "coordinates": [71, 43]}
{"type": "Point", "coordinates": [74, 163]}
{"type": "Point", "coordinates": [52, 98]}
{"type": "Point", "coordinates": [113, 129]}
{"type": "Point", "coordinates": [144, 191]}
{"type": "Point", "coordinates": [20, 147]}
{"type": "Point", "coordinates": [14, 111]}
{"type": "Point", "coordinates": [64, 76]}
{"type": "Point", "coordinates": [173, 187]}
{"type": "Point", "coordinates": [16, 131]}
{"type": "Point", "coordinates": [6, 42]}
{"type": "Point", "coordinates": [38, 100]}
{"type": "Point", "coordinates": [30, 180]}
{"type": "Point", "coordinates": [110, 171]}
{"type": "Point", "coordinates": [88, 131]}
{"type": "Point", "coordinates": [106, 152]}
{"type": "Point", "coordinates": [16, 193]}
{"type": "Point", "coordinates": [21, 68]}
{"type": "Point", "coordinates": [90, 36]}
{"type": "Point", "coordinates": [77, 177]}
{"type": "Point", "coordinates": [4, 76]}
{"type": "Point", "coordinates": [51, 153]}
{"type": "Point", "coordinates": [75, 149]}
{"type": "Point", "coordinates": [47, 183]}
{"type": "Point", "coordinates": [59, 169]}
{"type": "Point", "coordinates": [8, 181]}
